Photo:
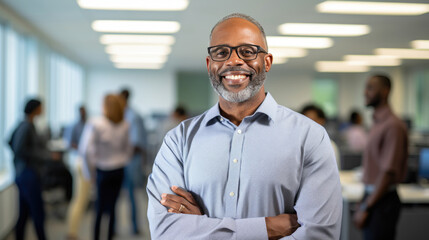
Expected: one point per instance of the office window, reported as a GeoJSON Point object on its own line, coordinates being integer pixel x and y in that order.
{"type": "Point", "coordinates": [32, 68]}
{"type": "Point", "coordinates": [65, 92]}
{"type": "Point", "coordinates": [325, 94]}
{"type": "Point", "coordinates": [422, 100]}
{"type": "Point", "coordinates": [21, 65]}
{"type": "Point", "coordinates": [2, 98]}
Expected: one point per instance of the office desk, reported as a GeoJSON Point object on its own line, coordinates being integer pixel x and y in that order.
{"type": "Point", "coordinates": [353, 190]}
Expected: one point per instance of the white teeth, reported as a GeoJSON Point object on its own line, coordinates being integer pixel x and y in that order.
{"type": "Point", "coordinates": [235, 77]}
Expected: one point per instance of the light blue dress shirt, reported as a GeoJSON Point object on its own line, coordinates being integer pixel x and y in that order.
{"type": "Point", "coordinates": [276, 161]}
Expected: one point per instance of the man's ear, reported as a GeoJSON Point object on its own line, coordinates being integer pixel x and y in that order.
{"type": "Point", "coordinates": [268, 62]}
{"type": "Point", "coordinates": [208, 63]}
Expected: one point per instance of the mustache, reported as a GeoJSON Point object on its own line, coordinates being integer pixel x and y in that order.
{"type": "Point", "coordinates": [232, 69]}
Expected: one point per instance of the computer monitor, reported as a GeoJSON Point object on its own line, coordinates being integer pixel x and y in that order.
{"type": "Point", "coordinates": [424, 165]}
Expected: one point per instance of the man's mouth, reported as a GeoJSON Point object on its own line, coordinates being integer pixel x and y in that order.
{"type": "Point", "coordinates": [235, 79]}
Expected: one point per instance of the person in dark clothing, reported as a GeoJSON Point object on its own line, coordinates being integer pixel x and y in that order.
{"type": "Point", "coordinates": [29, 157]}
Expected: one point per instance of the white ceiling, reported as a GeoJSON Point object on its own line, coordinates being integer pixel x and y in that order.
{"type": "Point", "coordinates": [66, 24]}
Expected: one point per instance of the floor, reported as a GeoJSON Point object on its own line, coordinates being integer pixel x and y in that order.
{"type": "Point", "coordinates": [56, 224]}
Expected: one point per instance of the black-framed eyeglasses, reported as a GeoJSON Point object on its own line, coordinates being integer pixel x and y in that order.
{"type": "Point", "coordinates": [245, 52]}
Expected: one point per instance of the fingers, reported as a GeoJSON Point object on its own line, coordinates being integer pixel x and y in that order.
{"type": "Point", "coordinates": [183, 193]}
{"type": "Point", "coordinates": [174, 203]}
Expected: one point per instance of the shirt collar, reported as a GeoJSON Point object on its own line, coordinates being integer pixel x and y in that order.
{"type": "Point", "coordinates": [381, 113]}
{"type": "Point", "coordinates": [268, 107]}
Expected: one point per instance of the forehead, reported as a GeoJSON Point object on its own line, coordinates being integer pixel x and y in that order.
{"type": "Point", "coordinates": [374, 82]}
{"type": "Point", "coordinates": [237, 31]}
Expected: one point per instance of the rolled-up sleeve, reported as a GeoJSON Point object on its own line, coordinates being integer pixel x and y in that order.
{"type": "Point", "coordinates": [168, 171]}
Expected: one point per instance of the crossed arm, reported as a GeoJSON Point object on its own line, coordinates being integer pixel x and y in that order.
{"type": "Point", "coordinates": [319, 216]}
{"type": "Point", "coordinates": [184, 203]}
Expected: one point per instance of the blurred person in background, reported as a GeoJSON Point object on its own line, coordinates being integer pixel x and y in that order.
{"type": "Point", "coordinates": [356, 135]}
{"type": "Point", "coordinates": [82, 185]}
{"type": "Point", "coordinates": [384, 164]}
{"type": "Point", "coordinates": [134, 171]}
{"type": "Point", "coordinates": [30, 155]}
{"type": "Point", "coordinates": [176, 117]}
{"type": "Point", "coordinates": [316, 114]}
{"type": "Point", "coordinates": [106, 150]}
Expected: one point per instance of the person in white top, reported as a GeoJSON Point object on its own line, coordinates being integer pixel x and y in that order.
{"type": "Point", "coordinates": [356, 135]}
{"type": "Point", "coordinates": [106, 149]}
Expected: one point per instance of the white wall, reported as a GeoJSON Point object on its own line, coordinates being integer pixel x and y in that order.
{"type": "Point", "coordinates": [151, 91]}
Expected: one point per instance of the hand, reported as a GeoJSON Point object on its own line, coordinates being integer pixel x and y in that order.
{"type": "Point", "coordinates": [359, 218]}
{"type": "Point", "coordinates": [183, 202]}
{"type": "Point", "coordinates": [281, 225]}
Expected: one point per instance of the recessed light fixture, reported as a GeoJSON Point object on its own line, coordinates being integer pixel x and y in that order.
{"type": "Point", "coordinates": [373, 60]}
{"type": "Point", "coordinates": [420, 44]}
{"type": "Point", "coordinates": [287, 52]}
{"type": "Point", "coordinates": [161, 50]}
{"type": "Point", "coordinates": [317, 29]}
{"type": "Point", "coordinates": [127, 26]}
{"type": "Point", "coordinates": [279, 60]}
{"type": "Point", "coordinates": [299, 42]}
{"type": "Point", "coordinates": [404, 53]}
{"type": "Point", "coordinates": [137, 5]}
{"type": "Point", "coordinates": [372, 8]}
{"type": "Point", "coordinates": [340, 66]}
{"type": "Point", "coordinates": [136, 39]}
{"type": "Point", "coordinates": [139, 65]}
{"type": "Point", "coordinates": [138, 59]}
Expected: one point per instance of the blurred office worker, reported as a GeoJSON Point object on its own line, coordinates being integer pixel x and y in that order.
{"type": "Point", "coordinates": [106, 149]}
{"type": "Point", "coordinates": [384, 164]}
{"type": "Point", "coordinates": [82, 185]}
{"type": "Point", "coordinates": [30, 156]}
{"type": "Point", "coordinates": [247, 168]}
{"type": "Point", "coordinates": [317, 114]}
{"type": "Point", "coordinates": [355, 135]}
{"type": "Point", "coordinates": [134, 169]}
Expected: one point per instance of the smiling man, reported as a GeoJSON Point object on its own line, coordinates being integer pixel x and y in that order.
{"type": "Point", "coordinates": [247, 168]}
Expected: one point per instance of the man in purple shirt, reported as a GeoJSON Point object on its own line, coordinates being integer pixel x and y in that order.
{"type": "Point", "coordinates": [384, 164]}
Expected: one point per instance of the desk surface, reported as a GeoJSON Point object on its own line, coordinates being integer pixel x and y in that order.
{"type": "Point", "coordinates": [352, 189]}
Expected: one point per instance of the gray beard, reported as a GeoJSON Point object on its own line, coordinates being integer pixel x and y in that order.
{"type": "Point", "coordinates": [251, 90]}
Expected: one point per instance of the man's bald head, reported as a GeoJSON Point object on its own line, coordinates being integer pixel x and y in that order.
{"type": "Point", "coordinates": [245, 17]}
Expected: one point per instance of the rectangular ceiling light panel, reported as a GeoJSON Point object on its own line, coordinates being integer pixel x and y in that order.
{"type": "Point", "coordinates": [299, 42]}
{"type": "Point", "coordinates": [316, 29]}
{"type": "Point", "coordinates": [372, 8]}
{"type": "Point", "coordinates": [340, 66]}
{"type": "Point", "coordinates": [127, 26]}
{"type": "Point", "coordinates": [160, 50]}
{"type": "Point", "coordinates": [287, 52]}
{"type": "Point", "coordinates": [373, 60]}
{"type": "Point", "coordinates": [138, 59]}
{"type": "Point", "coordinates": [404, 53]}
{"type": "Point", "coordinates": [279, 60]}
{"type": "Point", "coordinates": [136, 39]}
{"type": "Point", "coordinates": [139, 65]}
{"type": "Point", "coordinates": [420, 44]}
{"type": "Point", "coordinates": [135, 5]}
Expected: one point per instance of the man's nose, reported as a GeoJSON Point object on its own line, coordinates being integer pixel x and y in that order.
{"type": "Point", "coordinates": [234, 59]}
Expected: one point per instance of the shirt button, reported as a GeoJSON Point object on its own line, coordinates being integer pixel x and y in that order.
{"type": "Point", "coordinates": [239, 131]}
{"type": "Point", "coordinates": [231, 194]}
{"type": "Point", "coordinates": [221, 119]}
{"type": "Point", "coordinates": [235, 160]}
